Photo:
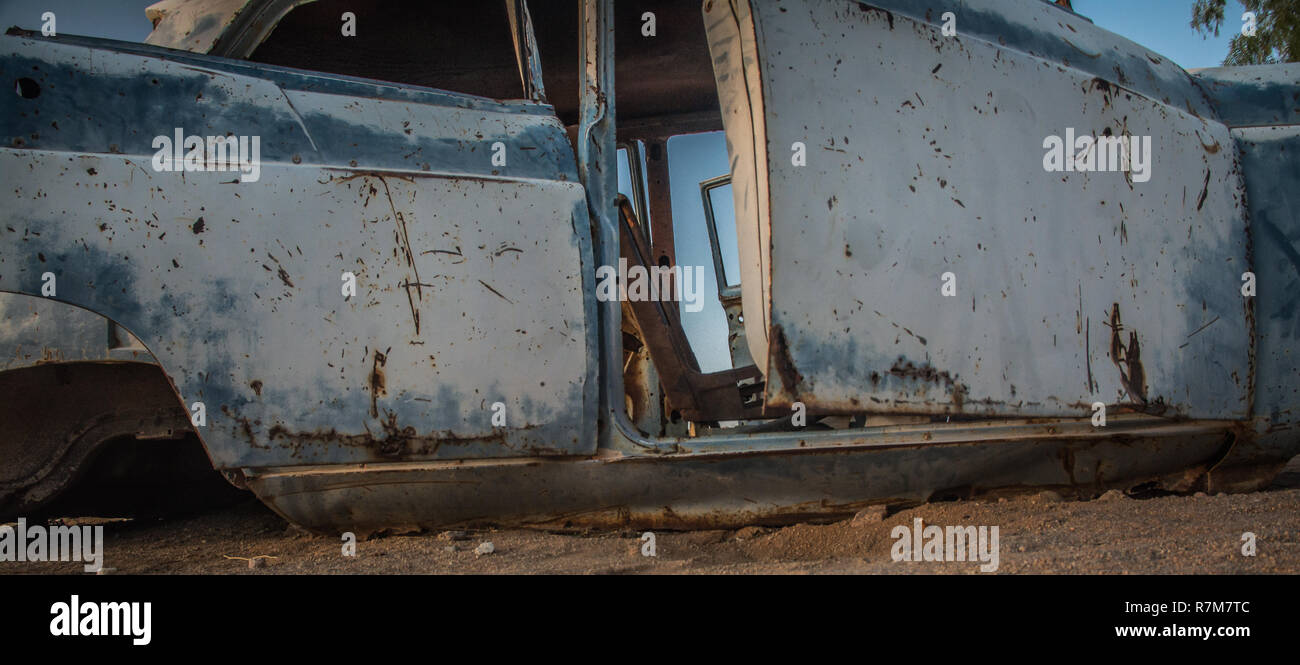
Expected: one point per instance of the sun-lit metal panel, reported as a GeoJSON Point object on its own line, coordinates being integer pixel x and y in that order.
{"type": "Point", "coordinates": [925, 166]}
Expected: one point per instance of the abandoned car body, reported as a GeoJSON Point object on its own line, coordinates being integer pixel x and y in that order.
{"type": "Point", "coordinates": [923, 309]}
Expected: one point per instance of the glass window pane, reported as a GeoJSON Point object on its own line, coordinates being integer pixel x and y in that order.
{"type": "Point", "coordinates": [692, 159]}
{"type": "Point", "coordinates": [724, 219]}
{"type": "Point", "coordinates": [625, 177]}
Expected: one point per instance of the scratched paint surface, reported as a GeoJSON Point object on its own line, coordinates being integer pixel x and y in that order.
{"type": "Point", "coordinates": [925, 156]}
{"type": "Point", "coordinates": [1262, 105]}
{"type": "Point", "coordinates": [469, 287]}
{"type": "Point", "coordinates": [1269, 155]}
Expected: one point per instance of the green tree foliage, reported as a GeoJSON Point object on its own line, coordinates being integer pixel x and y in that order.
{"type": "Point", "coordinates": [1277, 30]}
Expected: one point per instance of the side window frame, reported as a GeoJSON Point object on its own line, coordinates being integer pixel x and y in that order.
{"type": "Point", "coordinates": [248, 27]}
{"type": "Point", "coordinates": [636, 174]}
{"type": "Point", "coordinates": [726, 290]}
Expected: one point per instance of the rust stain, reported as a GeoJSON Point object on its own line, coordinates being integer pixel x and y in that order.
{"type": "Point", "coordinates": [1212, 148]}
{"type": "Point", "coordinates": [245, 427]}
{"type": "Point", "coordinates": [1087, 347]}
{"type": "Point", "coordinates": [377, 380]}
{"type": "Point", "coordinates": [352, 175]}
{"type": "Point", "coordinates": [396, 441]}
{"type": "Point", "coordinates": [906, 369]}
{"type": "Point", "coordinates": [1205, 190]}
{"type": "Point", "coordinates": [1104, 86]}
{"type": "Point", "coordinates": [785, 368]}
{"type": "Point", "coordinates": [489, 287]}
{"type": "Point", "coordinates": [873, 10]}
{"type": "Point", "coordinates": [1128, 358]}
{"type": "Point", "coordinates": [404, 240]}
{"type": "Point", "coordinates": [396, 438]}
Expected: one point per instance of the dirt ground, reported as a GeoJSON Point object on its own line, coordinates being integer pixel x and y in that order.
{"type": "Point", "coordinates": [1038, 534]}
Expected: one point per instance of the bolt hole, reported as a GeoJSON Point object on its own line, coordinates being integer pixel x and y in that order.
{"type": "Point", "coordinates": [27, 88]}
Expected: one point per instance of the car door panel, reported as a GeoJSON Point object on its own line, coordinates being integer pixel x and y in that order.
{"type": "Point", "coordinates": [468, 271]}
{"type": "Point", "coordinates": [925, 160]}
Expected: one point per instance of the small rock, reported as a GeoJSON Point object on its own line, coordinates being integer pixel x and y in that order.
{"type": "Point", "coordinates": [1199, 495]}
{"type": "Point", "coordinates": [485, 547]}
{"type": "Point", "coordinates": [870, 515]}
{"type": "Point", "coordinates": [749, 532]}
{"type": "Point", "coordinates": [451, 548]}
{"type": "Point", "coordinates": [453, 535]}
{"type": "Point", "coordinates": [1112, 495]}
{"type": "Point", "coordinates": [1047, 496]}
{"type": "Point", "coordinates": [257, 563]}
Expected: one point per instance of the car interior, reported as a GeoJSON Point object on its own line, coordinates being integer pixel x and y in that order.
{"type": "Point", "coordinates": [680, 69]}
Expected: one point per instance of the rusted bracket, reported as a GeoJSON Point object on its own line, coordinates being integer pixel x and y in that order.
{"type": "Point", "coordinates": [697, 395]}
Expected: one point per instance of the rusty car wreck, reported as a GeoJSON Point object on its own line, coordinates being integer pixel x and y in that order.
{"type": "Point", "coordinates": [922, 309]}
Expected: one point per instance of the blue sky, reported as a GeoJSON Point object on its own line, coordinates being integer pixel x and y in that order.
{"type": "Point", "coordinates": [114, 19]}
{"type": "Point", "coordinates": [1164, 27]}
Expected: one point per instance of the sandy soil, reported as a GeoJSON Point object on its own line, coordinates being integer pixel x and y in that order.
{"type": "Point", "coordinates": [1038, 534]}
